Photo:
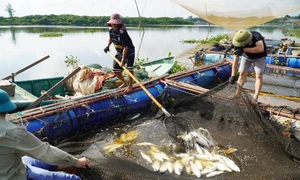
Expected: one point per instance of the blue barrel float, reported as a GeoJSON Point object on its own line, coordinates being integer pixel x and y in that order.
{"type": "Point", "coordinates": [293, 62]}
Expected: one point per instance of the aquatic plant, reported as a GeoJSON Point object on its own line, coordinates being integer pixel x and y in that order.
{"type": "Point", "coordinates": [51, 34]}
{"type": "Point", "coordinates": [72, 61]}
{"type": "Point", "coordinates": [178, 68]}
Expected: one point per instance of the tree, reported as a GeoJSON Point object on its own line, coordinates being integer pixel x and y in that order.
{"type": "Point", "coordinates": [10, 10]}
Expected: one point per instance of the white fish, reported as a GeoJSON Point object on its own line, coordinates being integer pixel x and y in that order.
{"type": "Point", "coordinates": [202, 141]}
{"type": "Point", "coordinates": [215, 173]}
{"type": "Point", "coordinates": [156, 155]}
{"type": "Point", "coordinates": [146, 157]}
{"type": "Point", "coordinates": [188, 169]}
{"type": "Point", "coordinates": [202, 157]}
{"type": "Point", "coordinates": [199, 164]}
{"type": "Point", "coordinates": [170, 166]}
{"type": "Point", "coordinates": [181, 155]}
{"type": "Point", "coordinates": [155, 165]}
{"type": "Point", "coordinates": [195, 170]}
{"type": "Point", "coordinates": [223, 167]}
{"type": "Point", "coordinates": [145, 144]}
{"type": "Point", "coordinates": [198, 149]}
{"type": "Point", "coordinates": [164, 166]}
{"type": "Point", "coordinates": [178, 167]}
{"type": "Point", "coordinates": [230, 163]}
{"type": "Point", "coordinates": [164, 156]}
{"type": "Point", "coordinates": [209, 169]}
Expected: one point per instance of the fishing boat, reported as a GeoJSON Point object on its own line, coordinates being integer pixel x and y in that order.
{"type": "Point", "coordinates": [28, 91]}
{"type": "Point", "coordinates": [65, 118]}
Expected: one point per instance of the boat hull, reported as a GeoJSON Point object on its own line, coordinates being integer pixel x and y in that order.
{"type": "Point", "coordinates": [60, 120]}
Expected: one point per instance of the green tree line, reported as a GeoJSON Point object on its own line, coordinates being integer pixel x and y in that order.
{"type": "Point", "coordinates": [75, 20]}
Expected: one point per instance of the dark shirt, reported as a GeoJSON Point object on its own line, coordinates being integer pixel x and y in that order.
{"type": "Point", "coordinates": [256, 37]}
{"type": "Point", "coordinates": [120, 40]}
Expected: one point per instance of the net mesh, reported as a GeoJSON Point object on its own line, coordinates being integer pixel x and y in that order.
{"type": "Point", "coordinates": [262, 151]}
{"type": "Point", "coordinates": [236, 14]}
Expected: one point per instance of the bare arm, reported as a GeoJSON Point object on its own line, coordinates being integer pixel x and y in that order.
{"type": "Point", "coordinates": [125, 50]}
{"type": "Point", "coordinates": [259, 48]}
{"type": "Point", "coordinates": [109, 42]}
{"type": "Point", "coordinates": [235, 65]}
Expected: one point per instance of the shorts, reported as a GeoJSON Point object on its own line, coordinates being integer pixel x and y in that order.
{"type": "Point", "coordinates": [258, 64]}
{"type": "Point", "coordinates": [129, 61]}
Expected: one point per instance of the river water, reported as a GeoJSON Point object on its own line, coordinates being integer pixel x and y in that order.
{"type": "Point", "coordinates": [22, 45]}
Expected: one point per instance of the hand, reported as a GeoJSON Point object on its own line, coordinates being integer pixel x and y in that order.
{"type": "Point", "coordinates": [232, 79]}
{"type": "Point", "coordinates": [106, 49]}
{"type": "Point", "coordinates": [83, 163]}
{"type": "Point", "coordinates": [122, 63]}
{"type": "Point", "coordinates": [238, 51]}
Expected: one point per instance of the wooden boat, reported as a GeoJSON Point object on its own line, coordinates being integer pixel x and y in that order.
{"type": "Point", "coordinates": [28, 91]}
{"type": "Point", "coordinates": [65, 118]}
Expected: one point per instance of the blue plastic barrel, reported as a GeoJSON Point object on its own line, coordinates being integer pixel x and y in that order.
{"type": "Point", "coordinates": [268, 60]}
{"type": "Point", "coordinates": [293, 62]}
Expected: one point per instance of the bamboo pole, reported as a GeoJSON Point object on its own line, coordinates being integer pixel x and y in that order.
{"type": "Point", "coordinates": [25, 68]}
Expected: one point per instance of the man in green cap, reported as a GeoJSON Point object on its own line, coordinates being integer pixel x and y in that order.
{"type": "Point", "coordinates": [23, 156]}
{"type": "Point", "coordinates": [252, 47]}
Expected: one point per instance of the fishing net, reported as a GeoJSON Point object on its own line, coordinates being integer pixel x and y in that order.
{"type": "Point", "coordinates": [237, 14]}
{"type": "Point", "coordinates": [235, 128]}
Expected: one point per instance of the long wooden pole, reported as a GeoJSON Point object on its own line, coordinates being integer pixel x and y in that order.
{"type": "Point", "coordinates": [25, 68]}
{"type": "Point", "coordinates": [141, 85]}
{"type": "Point", "coordinates": [61, 82]}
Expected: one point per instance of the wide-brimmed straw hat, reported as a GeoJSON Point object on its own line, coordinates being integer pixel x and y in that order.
{"type": "Point", "coordinates": [115, 19]}
{"type": "Point", "coordinates": [5, 103]}
{"type": "Point", "coordinates": [242, 38]}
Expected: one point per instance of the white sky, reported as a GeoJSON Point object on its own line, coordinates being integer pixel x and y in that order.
{"type": "Point", "coordinates": [148, 8]}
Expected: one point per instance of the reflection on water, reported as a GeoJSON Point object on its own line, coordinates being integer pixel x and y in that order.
{"type": "Point", "coordinates": [22, 45]}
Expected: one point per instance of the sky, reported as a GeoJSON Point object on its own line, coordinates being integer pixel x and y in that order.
{"type": "Point", "coordinates": [126, 8]}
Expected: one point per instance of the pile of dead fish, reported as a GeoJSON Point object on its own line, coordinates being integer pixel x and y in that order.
{"type": "Point", "coordinates": [200, 158]}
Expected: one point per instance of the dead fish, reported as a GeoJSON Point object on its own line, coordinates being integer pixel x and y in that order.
{"type": "Point", "coordinates": [230, 151]}
{"type": "Point", "coordinates": [128, 137]}
{"type": "Point", "coordinates": [145, 144]}
{"type": "Point", "coordinates": [113, 147]}
{"type": "Point", "coordinates": [188, 169]}
{"type": "Point", "coordinates": [202, 157]}
{"type": "Point", "coordinates": [215, 173]}
{"type": "Point", "coordinates": [164, 156]}
{"type": "Point", "coordinates": [170, 166]}
{"type": "Point", "coordinates": [178, 166]}
{"type": "Point", "coordinates": [209, 169]}
{"type": "Point", "coordinates": [199, 164]}
{"type": "Point", "coordinates": [230, 163]}
{"type": "Point", "coordinates": [195, 170]}
{"type": "Point", "coordinates": [198, 149]}
{"type": "Point", "coordinates": [223, 167]}
{"type": "Point", "coordinates": [155, 165]}
{"type": "Point", "coordinates": [146, 157]}
{"type": "Point", "coordinates": [156, 155]}
{"type": "Point", "coordinates": [164, 166]}
{"type": "Point", "coordinates": [202, 141]}
{"type": "Point", "coordinates": [134, 117]}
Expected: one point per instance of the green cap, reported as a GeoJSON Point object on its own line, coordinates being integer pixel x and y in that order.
{"type": "Point", "coordinates": [242, 38]}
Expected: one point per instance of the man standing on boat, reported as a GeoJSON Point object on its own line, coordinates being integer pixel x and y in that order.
{"type": "Point", "coordinates": [21, 153]}
{"type": "Point", "coordinates": [125, 50]}
{"type": "Point", "coordinates": [252, 47]}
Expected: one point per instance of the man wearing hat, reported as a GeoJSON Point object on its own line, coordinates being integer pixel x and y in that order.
{"type": "Point", "coordinates": [252, 47]}
{"type": "Point", "coordinates": [22, 155]}
{"type": "Point", "coordinates": [125, 50]}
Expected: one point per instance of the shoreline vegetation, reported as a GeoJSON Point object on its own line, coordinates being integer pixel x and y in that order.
{"type": "Point", "coordinates": [75, 20]}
